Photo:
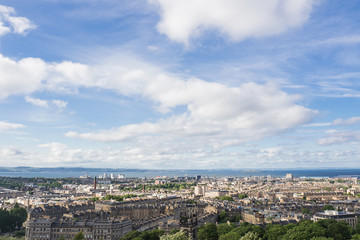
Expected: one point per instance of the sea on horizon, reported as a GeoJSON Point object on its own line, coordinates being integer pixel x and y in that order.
{"type": "Point", "coordinates": [60, 173]}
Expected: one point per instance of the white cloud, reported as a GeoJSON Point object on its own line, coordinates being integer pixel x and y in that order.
{"type": "Point", "coordinates": [270, 152]}
{"type": "Point", "coordinates": [340, 137]}
{"type": "Point", "coordinates": [10, 23]}
{"type": "Point", "coordinates": [60, 103]}
{"type": "Point", "coordinates": [3, 29]}
{"type": "Point", "coordinates": [325, 124]}
{"type": "Point", "coordinates": [350, 121]}
{"type": "Point", "coordinates": [238, 19]}
{"type": "Point", "coordinates": [10, 151]}
{"type": "Point", "coordinates": [246, 112]}
{"type": "Point", "coordinates": [20, 77]}
{"type": "Point", "coordinates": [10, 126]}
{"type": "Point", "coordinates": [29, 75]}
{"type": "Point", "coordinates": [45, 103]}
{"type": "Point", "coordinates": [37, 102]}
{"type": "Point", "coordinates": [342, 40]}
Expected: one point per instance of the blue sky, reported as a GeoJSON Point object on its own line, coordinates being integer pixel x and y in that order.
{"type": "Point", "coordinates": [180, 84]}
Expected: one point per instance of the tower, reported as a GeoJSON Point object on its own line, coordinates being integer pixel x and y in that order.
{"type": "Point", "coordinates": [188, 220]}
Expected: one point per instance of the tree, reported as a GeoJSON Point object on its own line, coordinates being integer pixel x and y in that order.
{"type": "Point", "coordinates": [235, 218]}
{"type": "Point", "coordinates": [305, 211]}
{"type": "Point", "coordinates": [304, 231]}
{"type": "Point", "coordinates": [250, 236]}
{"type": "Point", "coordinates": [223, 217]}
{"type": "Point", "coordinates": [10, 220]}
{"type": "Point", "coordinates": [274, 232]}
{"type": "Point", "coordinates": [181, 235]}
{"type": "Point", "coordinates": [151, 235]}
{"type": "Point", "coordinates": [174, 231]}
{"type": "Point", "coordinates": [242, 196]}
{"type": "Point", "coordinates": [19, 215]}
{"type": "Point", "coordinates": [230, 236]}
{"type": "Point", "coordinates": [356, 237]}
{"type": "Point", "coordinates": [334, 229]}
{"type": "Point", "coordinates": [357, 227]}
{"type": "Point", "coordinates": [328, 207]}
{"type": "Point", "coordinates": [19, 233]}
{"type": "Point", "coordinates": [224, 228]}
{"type": "Point", "coordinates": [321, 238]}
{"type": "Point", "coordinates": [79, 236]}
{"type": "Point", "coordinates": [130, 235]}
{"type": "Point", "coordinates": [227, 198]}
{"type": "Point", "coordinates": [207, 232]}
{"type": "Point", "coordinates": [242, 230]}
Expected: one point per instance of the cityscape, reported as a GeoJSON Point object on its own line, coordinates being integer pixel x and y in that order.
{"type": "Point", "coordinates": [113, 206]}
{"type": "Point", "coordinates": [179, 120]}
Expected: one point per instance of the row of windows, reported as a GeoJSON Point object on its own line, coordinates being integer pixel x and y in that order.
{"type": "Point", "coordinates": [40, 229]}
{"type": "Point", "coordinates": [71, 230]}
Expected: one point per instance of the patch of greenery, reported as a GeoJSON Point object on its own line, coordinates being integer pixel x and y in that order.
{"type": "Point", "coordinates": [13, 219]}
{"type": "Point", "coordinates": [243, 195]}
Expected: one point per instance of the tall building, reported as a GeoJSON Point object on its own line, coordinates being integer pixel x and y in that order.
{"type": "Point", "coordinates": [289, 176]}
{"type": "Point", "coordinates": [350, 218]}
{"type": "Point", "coordinates": [46, 229]}
{"type": "Point", "coordinates": [200, 190]}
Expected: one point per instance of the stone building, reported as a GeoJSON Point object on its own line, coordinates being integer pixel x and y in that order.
{"type": "Point", "coordinates": [350, 218]}
{"type": "Point", "coordinates": [46, 229]}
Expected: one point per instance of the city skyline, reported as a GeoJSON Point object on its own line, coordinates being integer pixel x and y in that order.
{"type": "Point", "coordinates": [180, 84]}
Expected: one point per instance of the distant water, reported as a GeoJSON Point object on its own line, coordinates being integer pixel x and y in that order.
{"type": "Point", "coordinates": [63, 172]}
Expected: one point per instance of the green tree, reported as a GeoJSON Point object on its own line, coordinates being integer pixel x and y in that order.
{"type": "Point", "coordinates": [242, 230]}
{"type": "Point", "coordinates": [130, 235]}
{"type": "Point", "coordinates": [304, 231]}
{"type": "Point", "coordinates": [207, 232]}
{"type": "Point", "coordinates": [227, 198]}
{"type": "Point", "coordinates": [328, 207]}
{"type": "Point", "coordinates": [334, 229]}
{"type": "Point", "coordinates": [321, 238]}
{"type": "Point", "coordinates": [230, 236]}
{"type": "Point", "coordinates": [356, 237]}
{"type": "Point", "coordinates": [242, 196]}
{"type": "Point", "coordinates": [223, 217]}
{"type": "Point", "coordinates": [305, 211]}
{"type": "Point", "coordinates": [10, 220]}
{"type": "Point", "coordinates": [174, 231]}
{"type": "Point", "coordinates": [151, 235]}
{"type": "Point", "coordinates": [224, 228]}
{"type": "Point", "coordinates": [181, 235]}
{"type": "Point", "coordinates": [357, 227]}
{"type": "Point", "coordinates": [250, 236]}
{"type": "Point", "coordinates": [274, 232]}
{"type": "Point", "coordinates": [79, 236]}
{"type": "Point", "coordinates": [19, 215]}
{"type": "Point", "coordinates": [19, 233]}
{"type": "Point", "coordinates": [5, 220]}
{"type": "Point", "coordinates": [235, 218]}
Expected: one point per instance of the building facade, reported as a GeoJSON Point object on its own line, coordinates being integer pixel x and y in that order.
{"type": "Point", "coordinates": [46, 229]}
{"type": "Point", "coordinates": [350, 218]}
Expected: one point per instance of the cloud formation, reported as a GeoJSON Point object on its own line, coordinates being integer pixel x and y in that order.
{"type": "Point", "coordinates": [10, 126]}
{"type": "Point", "coordinates": [37, 102]}
{"type": "Point", "coordinates": [350, 121]}
{"type": "Point", "coordinates": [340, 137]}
{"type": "Point", "coordinates": [247, 112]}
{"type": "Point", "coordinates": [237, 19]}
{"type": "Point", "coordinates": [46, 103]}
{"type": "Point", "coordinates": [9, 23]}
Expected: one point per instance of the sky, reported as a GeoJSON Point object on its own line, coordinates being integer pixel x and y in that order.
{"type": "Point", "coordinates": [190, 84]}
